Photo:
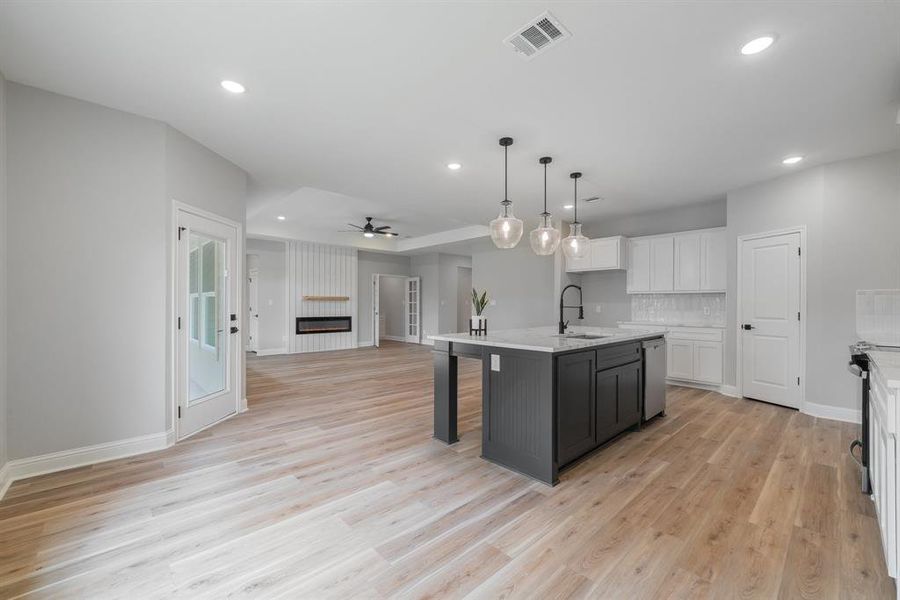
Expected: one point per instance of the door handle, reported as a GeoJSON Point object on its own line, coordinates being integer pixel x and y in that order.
{"type": "Point", "coordinates": [234, 329]}
{"type": "Point", "coordinates": [748, 326]}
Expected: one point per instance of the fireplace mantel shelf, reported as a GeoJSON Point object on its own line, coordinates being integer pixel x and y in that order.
{"type": "Point", "coordinates": [327, 298]}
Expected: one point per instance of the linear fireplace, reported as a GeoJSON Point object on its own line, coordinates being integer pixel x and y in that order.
{"type": "Point", "coordinates": [307, 325]}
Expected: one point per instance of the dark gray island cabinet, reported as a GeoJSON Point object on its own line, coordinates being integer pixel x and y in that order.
{"type": "Point", "coordinates": [547, 400]}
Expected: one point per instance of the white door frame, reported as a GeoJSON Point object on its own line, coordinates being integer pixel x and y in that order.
{"type": "Point", "coordinates": [376, 309]}
{"type": "Point", "coordinates": [417, 339]}
{"type": "Point", "coordinates": [376, 305]}
{"type": "Point", "coordinates": [173, 433]}
{"type": "Point", "coordinates": [739, 363]}
{"type": "Point", "coordinates": [252, 322]}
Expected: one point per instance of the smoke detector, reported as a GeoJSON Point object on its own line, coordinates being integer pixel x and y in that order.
{"type": "Point", "coordinates": [539, 35]}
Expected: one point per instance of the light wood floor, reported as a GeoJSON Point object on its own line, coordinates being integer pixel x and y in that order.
{"type": "Point", "coordinates": [331, 487]}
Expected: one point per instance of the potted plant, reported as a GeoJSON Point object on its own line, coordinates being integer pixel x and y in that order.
{"type": "Point", "coordinates": [479, 303]}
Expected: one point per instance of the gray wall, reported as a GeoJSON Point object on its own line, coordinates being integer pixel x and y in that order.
{"type": "Point", "coordinates": [851, 210]}
{"type": "Point", "coordinates": [607, 288]}
{"type": "Point", "coordinates": [3, 287]}
{"type": "Point", "coordinates": [448, 290]}
{"type": "Point", "coordinates": [272, 291]}
{"type": "Point", "coordinates": [370, 263]}
{"type": "Point", "coordinates": [521, 283]}
{"type": "Point", "coordinates": [464, 297]}
{"type": "Point", "coordinates": [89, 193]}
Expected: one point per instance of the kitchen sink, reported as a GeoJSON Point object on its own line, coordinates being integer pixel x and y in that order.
{"type": "Point", "coordinates": [584, 336]}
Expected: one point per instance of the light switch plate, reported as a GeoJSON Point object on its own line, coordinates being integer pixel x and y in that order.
{"type": "Point", "coordinates": [492, 302]}
{"type": "Point", "coordinates": [495, 362]}
{"type": "Point", "coordinates": [598, 308]}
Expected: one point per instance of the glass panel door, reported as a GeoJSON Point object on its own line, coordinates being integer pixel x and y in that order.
{"type": "Point", "coordinates": [412, 309]}
{"type": "Point", "coordinates": [207, 358]}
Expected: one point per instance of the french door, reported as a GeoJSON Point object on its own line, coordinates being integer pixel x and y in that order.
{"type": "Point", "coordinates": [413, 310]}
{"type": "Point", "coordinates": [376, 310]}
{"type": "Point", "coordinates": [769, 334]}
{"type": "Point", "coordinates": [208, 344]}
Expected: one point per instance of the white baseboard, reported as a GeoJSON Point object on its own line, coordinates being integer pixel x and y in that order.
{"type": "Point", "coordinates": [365, 344]}
{"type": "Point", "coordinates": [5, 480]}
{"type": "Point", "coordinates": [835, 413]}
{"type": "Point", "coordinates": [271, 351]}
{"type": "Point", "coordinates": [729, 390]}
{"type": "Point", "coordinates": [427, 342]}
{"type": "Point", "coordinates": [78, 457]}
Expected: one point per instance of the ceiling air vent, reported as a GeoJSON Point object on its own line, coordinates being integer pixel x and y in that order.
{"type": "Point", "coordinates": [536, 37]}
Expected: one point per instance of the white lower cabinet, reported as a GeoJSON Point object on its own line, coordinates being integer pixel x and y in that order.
{"type": "Point", "coordinates": [708, 362]}
{"type": "Point", "coordinates": [680, 359]}
{"type": "Point", "coordinates": [692, 353]}
{"type": "Point", "coordinates": [884, 465]}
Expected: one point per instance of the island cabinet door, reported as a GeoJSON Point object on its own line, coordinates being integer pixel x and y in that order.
{"type": "Point", "coordinates": [576, 417]}
{"type": "Point", "coordinates": [619, 400]}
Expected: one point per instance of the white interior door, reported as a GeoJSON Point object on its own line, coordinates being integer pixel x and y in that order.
{"type": "Point", "coordinates": [769, 319]}
{"type": "Point", "coordinates": [376, 310]}
{"type": "Point", "coordinates": [413, 313]}
{"type": "Point", "coordinates": [208, 343]}
{"type": "Point", "coordinates": [253, 309]}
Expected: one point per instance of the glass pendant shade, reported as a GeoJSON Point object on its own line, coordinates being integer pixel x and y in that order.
{"type": "Point", "coordinates": [576, 245]}
{"type": "Point", "coordinates": [545, 238]}
{"type": "Point", "coordinates": [506, 229]}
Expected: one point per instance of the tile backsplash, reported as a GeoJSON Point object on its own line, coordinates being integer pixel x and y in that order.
{"type": "Point", "coordinates": [679, 309]}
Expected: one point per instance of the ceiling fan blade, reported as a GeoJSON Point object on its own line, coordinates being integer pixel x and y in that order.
{"type": "Point", "coordinates": [388, 233]}
{"type": "Point", "coordinates": [383, 227]}
{"type": "Point", "coordinates": [357, 226]}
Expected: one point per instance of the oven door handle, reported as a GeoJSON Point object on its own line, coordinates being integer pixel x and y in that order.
{"type": "Point", "coordinates": [856, 370]}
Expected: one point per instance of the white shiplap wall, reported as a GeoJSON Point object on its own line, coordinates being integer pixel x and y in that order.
{"type": "Point", "coordinates": [322, 270]}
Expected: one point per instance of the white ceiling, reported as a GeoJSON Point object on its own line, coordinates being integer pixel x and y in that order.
{"type": "Point", "coordinates": [370, 100]}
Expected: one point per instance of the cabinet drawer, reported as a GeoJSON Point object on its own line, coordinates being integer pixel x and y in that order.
{"type": "Point", "coordinates": [697, 334]}
{"type": "Point", "coordinates": [618, 355]}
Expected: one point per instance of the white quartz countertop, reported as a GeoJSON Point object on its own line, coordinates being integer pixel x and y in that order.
{"type": "Point", "coordinates": [888, 364]}
{"type": "Point", "coordinates": [546, 339]}
{"type": "Point", "coordinates": [700, 325]}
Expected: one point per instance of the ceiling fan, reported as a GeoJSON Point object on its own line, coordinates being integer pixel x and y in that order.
{"type": "Point", "coordinates": [371, 231]}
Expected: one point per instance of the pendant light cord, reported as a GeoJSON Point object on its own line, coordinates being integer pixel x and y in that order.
{"type": "Point", "coordinates": [545, 213]}
{"type": "Point", "coordinates": [576, 199]}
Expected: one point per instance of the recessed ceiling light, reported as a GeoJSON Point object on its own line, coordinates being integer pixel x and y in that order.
{"type": "Point", "coordinates": [281, 217]}
{"type": "Point", "coordinates": [454, 166]}
{"type": "Point", "coordinates": [233, 86]}
{"type": "Point", "coordinates": [792, 160]}
{"type": "Point", "coordinates": [369, 234]}
{"type": "Point", "coordinates": [568, 206]}
{"type": "Point", "coordinates": [757, 45]}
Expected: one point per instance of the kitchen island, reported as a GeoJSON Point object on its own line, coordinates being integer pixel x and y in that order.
{"type": "Point", "coordinates": [547, 399]}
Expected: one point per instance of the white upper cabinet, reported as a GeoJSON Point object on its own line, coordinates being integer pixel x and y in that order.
{"type": "Point", "coordinates": [692, 261]}
{"type": "Point", "coordinates": [712, 260]}
{"type": "Point", "coordinates": [638, 277]}
{"type": "Point", "coordinates": [662, 264]}
{"type": "Point", "coordinates": [580, 264]}
{"type": "Point", "coordinates": [603, 254]}
{"type": "Point", "coordinates": [687, 262]}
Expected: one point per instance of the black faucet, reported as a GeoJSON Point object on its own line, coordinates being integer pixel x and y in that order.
{"type": "Point", "coordinates": [580, 307]}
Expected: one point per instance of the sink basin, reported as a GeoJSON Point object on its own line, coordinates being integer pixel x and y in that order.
{"type": "Point", "coordinates": [584, 336]}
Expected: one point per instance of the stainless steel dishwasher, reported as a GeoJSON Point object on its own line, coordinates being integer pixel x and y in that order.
{"type": "Point", "coordinates": [654, 377]}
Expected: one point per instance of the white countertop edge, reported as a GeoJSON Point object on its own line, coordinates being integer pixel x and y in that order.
{"type": "Point", "coordinates": [506, 338]}
{"type": "Point", "coordinates": [888, 364]}
{"type": "Point", "coordinates": [692, 326]}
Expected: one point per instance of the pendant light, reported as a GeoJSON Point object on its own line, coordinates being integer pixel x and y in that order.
{"type": "Point", "coordinates": [506, 229]}
{"type": "Point", "coordinates": [576, 245]}
{"type": "Point", "coordinates": [545, 237]}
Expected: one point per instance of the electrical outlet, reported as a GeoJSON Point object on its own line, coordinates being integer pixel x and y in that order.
{"type": "Point", "coordinates": [706, 311]}
{"type": "Point", "coordinates": [598, 308]}
{"type": "Point", "coordinates": [492, 302]}
{"type": "Point", "coordinates": [270, 302]}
